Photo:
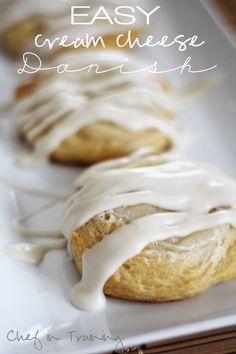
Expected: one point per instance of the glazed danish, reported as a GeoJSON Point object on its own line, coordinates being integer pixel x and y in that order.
{"type": "Point", "coordinates": [89, 117]}
{"type": "Point", "coordinates": [150, 229]}
{"type": "Point", "coordinates": [22, 20]}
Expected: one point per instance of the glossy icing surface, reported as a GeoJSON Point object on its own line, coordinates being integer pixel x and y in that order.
{"type": "Point", "coordinates": [191, 198]}
{"type": "Point", "coordinates": [63, 104]}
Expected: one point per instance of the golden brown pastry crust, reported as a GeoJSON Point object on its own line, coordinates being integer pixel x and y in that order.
{"type": "Point", "coordinates": [166, 271]}
{"type": "Point", "coordinates": [101, 140]}
{"type": "Point", "coordinates": [16, 39]}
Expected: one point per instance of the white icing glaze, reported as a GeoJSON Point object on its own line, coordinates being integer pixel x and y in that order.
{"type": "Point", "coordinates": [66, 103]}
{"type": "Point", "coordinates": [25, 231]}
{"type": "Point", "coordinates": [18, 224]}
{"type": "Point", "coordinates": [34, 254]}
{"type": "Point", "coordinates": [29, 159]}
{"type": "Point", "coordinates": [27, 252]}
{"type": "Point", "coordinates": [193, 198]}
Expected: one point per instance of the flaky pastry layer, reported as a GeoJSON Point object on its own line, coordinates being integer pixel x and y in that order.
{"type": "Point", "coordinates": [164, 271]}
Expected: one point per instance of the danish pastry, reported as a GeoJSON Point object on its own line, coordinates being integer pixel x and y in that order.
{"type": "Point", "coordinates": [84, 118]}
{"type": "Point", "coordinates": [228, 9]}
{"type": "Point", "coordinates": [150, 229]}
{"type": "Point", "coordinates": [22, 20]}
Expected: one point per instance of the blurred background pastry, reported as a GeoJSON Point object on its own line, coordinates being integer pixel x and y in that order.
{"type": "Point", "coordinates": [228, 10]}
{"type": "Point", "coordinates": [22, 20]}
{"type": "Point", "coordinates": [88, 117]}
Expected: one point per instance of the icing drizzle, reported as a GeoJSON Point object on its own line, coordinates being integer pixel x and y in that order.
{"type": "Point", "coordinates": [63, 104]}
{"type": "Point", "coordinates": [33, 253]}
{"type": "Point", "coordinates": [28, 252]}
{"type": "Point", "coordinates": [191, 198]}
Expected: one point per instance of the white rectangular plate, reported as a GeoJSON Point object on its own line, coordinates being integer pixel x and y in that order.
{"type": "Point", "coordinates": [38, 298]}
